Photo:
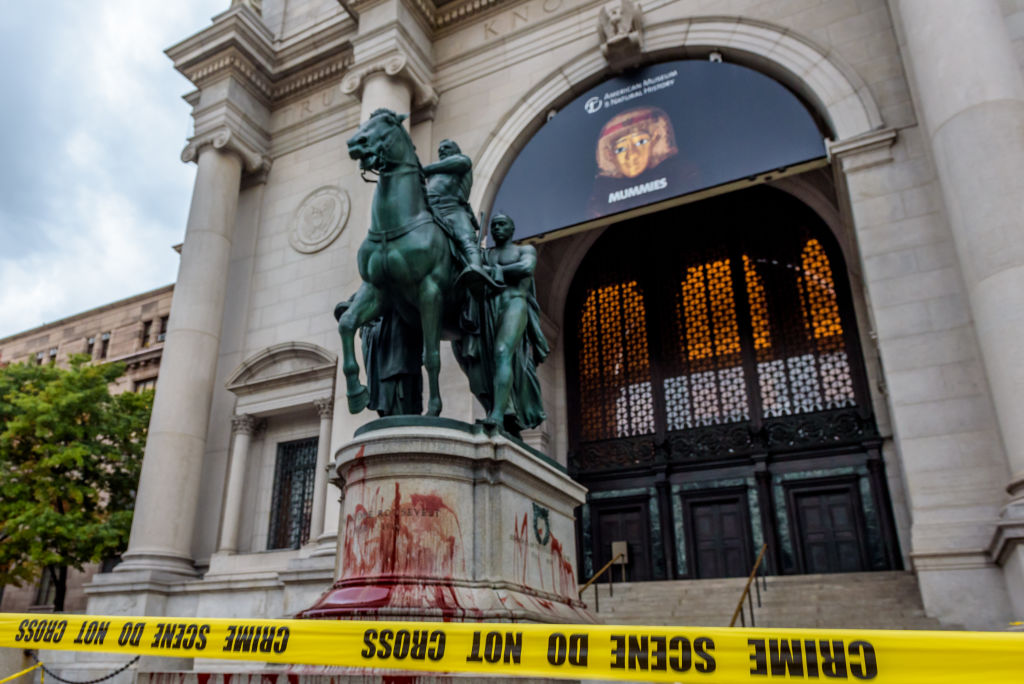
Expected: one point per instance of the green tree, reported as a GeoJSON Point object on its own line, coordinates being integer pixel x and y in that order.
{"type": "Point", "coordinates": [70, 455]}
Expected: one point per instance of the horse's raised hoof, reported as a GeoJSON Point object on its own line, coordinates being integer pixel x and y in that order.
{"type": "Point", "coordinates": [359, 400]}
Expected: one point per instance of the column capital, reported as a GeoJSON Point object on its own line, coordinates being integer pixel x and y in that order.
{"type": "Point", "coordinates": [253, 156]}
{"type": "Point", "coordinates": [864, 151]}
{"type": "Point", "coordinates": [397, 64]}
{"type": "Point", "coordinates": [243, 423]}
{"type": "Point", "coordinates": [324, 407]}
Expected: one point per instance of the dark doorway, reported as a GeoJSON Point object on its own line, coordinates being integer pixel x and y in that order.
{"type": "Point", "coordinates": [828, 522]}
{"type": "Point", "coordinates": [628, 524]}
{"type": "Point", "coordinates": [718, 528]}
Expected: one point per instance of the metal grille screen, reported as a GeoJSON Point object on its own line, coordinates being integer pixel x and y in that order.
{"type": "Point", "coordinates": [708, 326]}
{"type": "Point", "coordinates": [292, 505]}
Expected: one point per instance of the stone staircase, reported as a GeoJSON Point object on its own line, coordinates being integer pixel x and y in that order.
{"type": "Point", "coordinates": [866, 600]}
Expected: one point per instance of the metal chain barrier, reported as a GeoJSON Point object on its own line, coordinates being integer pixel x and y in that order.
{"type": "Point", "coordinates": [116, 672]}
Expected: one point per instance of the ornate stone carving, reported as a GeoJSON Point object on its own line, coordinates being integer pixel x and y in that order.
{"type": "Point", "coordinates": [397, 65]}
{"type": "Point", "coordinates": [621, 31]}
{"type": "Point", "coordinates": [324, 407]}
{"type": "Point", "coordinates": [223, 138]}
{"type": "Point", "coordinates": [319, 220]}
{"type": "Point", "coordinates": [243, 423]}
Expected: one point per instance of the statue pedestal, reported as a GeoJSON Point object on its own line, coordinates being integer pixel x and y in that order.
{"type": "Point", "coordinates": [441, 521]}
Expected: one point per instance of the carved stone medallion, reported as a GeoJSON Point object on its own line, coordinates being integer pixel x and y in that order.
{"type": "Point", "coordinates": [319, 220]}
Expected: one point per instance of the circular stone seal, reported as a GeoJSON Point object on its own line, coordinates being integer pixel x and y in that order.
{"type": "Point", "coordinates": [319, 219]}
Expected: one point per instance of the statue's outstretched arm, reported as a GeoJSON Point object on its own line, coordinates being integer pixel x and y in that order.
{"type": "Point", "coordinates": [457, 163]}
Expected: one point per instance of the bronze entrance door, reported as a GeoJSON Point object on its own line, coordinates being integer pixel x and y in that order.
{"type": "Point", "coordinates": [829, 529]}
{"type": "Point", "coordinates": [628, 524]}
{"type": "Point", "coordinates": [721, 540]}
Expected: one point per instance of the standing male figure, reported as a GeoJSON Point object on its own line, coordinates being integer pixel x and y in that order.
{"type": "Point", "coordinates": [513, 341]}
{"type": "Point", "coordinates": [449, 182]}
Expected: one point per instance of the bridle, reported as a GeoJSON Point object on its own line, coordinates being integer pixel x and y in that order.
{"type": "Point", "coordinates": [382, 159]}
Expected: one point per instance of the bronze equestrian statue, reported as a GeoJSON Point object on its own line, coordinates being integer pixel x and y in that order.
{"type": "Point", "coordinates": [421, 271]}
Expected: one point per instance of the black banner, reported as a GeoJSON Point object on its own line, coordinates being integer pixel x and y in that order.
{"type": "Point", "coordinates": [655, 134]}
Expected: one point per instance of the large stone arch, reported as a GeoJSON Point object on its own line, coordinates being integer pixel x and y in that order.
{"type": "Point", "coordinates": [832, 89]}
{"type": "Point", "coordinates": [838, 95]}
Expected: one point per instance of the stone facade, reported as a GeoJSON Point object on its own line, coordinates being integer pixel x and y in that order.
{"type": "Point", "coordinates": [920, 101]}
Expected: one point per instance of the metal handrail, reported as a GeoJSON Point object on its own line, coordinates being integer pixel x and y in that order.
{"type": "Point", "coordinates": [746, 590]}
{"type": "Point", "coordinates": [600, 572]}
{"type": "Point", "coordinates": [611, 583]}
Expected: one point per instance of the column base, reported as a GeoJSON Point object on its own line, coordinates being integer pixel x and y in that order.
{"type": "Point", "coordinates": [150, 561]}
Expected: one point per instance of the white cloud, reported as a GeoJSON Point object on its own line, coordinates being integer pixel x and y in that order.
{"type": "Point", "coordinates": [93, 209]}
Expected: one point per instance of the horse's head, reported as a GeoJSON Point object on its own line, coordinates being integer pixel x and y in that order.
{"type": "Point", "coordinates": [376, 143]}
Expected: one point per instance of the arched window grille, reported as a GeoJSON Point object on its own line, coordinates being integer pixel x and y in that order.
{"type": "Point", "coordinates": [719, 329]}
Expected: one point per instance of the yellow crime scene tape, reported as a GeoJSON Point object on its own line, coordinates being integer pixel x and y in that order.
{"type": "Point", "coordinates": [660, 654]}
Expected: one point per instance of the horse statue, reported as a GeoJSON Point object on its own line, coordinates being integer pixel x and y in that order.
{"type": "Point", "coordinates": [406, 262]}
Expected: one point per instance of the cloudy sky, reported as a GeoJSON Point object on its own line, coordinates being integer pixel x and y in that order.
{"type": "Point", "coordinates": [92, 190]}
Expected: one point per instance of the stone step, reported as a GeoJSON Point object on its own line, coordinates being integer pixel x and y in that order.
{"type": "Point", "coordinates": [877, 600]}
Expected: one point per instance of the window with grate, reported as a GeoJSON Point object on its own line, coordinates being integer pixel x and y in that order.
{"type": "Point", "coordinates": [733, 311]}
{"type": "Point", "coordinates": [292, 505]}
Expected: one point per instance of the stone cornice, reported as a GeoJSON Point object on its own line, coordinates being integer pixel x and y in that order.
{"type": "Point", "coordinates": [864, 151]}
{"type": "Point", "coordinates": [238, 44]}
{"type": "Point", "coordinates": [435, 17]}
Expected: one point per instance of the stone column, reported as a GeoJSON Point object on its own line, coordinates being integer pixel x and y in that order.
{"type": "Point", "coordinates": [242, 426]}
{"type": "Point", "coordinates": [325, 408]}
{"type": "Point", "coordinates": [971, 94]}
{"type": "Point", "coordinates": [161, 535]}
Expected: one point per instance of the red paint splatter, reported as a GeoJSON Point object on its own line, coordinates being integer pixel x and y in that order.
{"type": "Point", "coordinates": [563, 579]}
{"type": "Point", "coordinates": [398, 552]}
{"type": "Point", "coordinates": [361, 452]}
{"type": "Point", "coordinates": [202, 677]}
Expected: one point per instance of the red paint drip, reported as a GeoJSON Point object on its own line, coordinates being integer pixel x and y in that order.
{"type": "Point", "coordinates": [202, 677]}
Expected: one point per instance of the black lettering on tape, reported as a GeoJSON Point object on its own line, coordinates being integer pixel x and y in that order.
{"type": "Point", "coordinates": [637, 652]}
{"type": "Point", "coordinates": [370, 648]}
{"type": "Point", "coordinates": [418, 650]}
{"type": "Point", "coordinates": [833, 658]}
{"type": "Point", "coordinates": [758, 657]}
{"type": "Point", "coordinates": [578, 649]}
{"type": "Point", "coordinates": [436, 651]}
{"type": "Point", "coordinates": [385, 644]}
{"type": "Point", "coordinates": [679, 654]}
{"type": "Point", "coordinates": [619, 652]}
{"type": "Point", "coordinates": [702, 648]}
{"type": "Point", "coordinates": [492, 647]}
{"type": "Point", "coordinates": [811, 658]}
{"type": "Point", "coordinates": [402, 639]}
{"type": "Point", "coordinates": [869, 668]}
{"type": "Point", "coordinates": [160, 634]}
{"type": "Point", "coordinates": [786, 656]}
{"type": "Point", "coordinates": [282, 639]}
{"type": "Point", "coordinates": [658, 653]}
{"type": "Point", "coordinates": [558, 647]}
{"type": "Point", "coordinates": [474, 651]}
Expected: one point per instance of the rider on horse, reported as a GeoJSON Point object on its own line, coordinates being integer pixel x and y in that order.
{"type": "Point", "coordinates": [449, 182]}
